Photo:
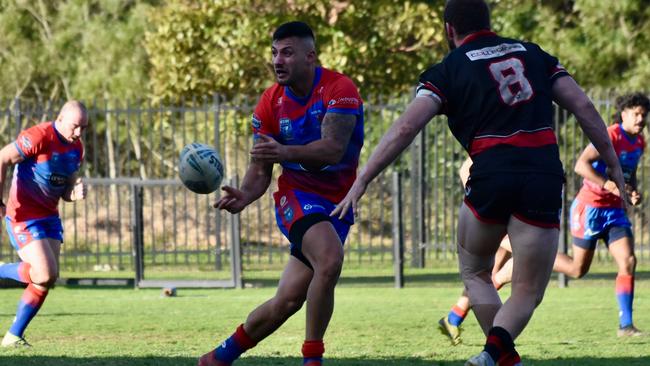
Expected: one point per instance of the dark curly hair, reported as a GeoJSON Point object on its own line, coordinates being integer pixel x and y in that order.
{"type": "Point", "coordinates": [631, 100]}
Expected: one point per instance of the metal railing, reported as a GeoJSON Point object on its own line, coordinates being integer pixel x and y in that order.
{"type": "Point", "coordinates": [182, 233]}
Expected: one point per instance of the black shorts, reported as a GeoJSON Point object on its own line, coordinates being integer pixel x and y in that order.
{"type": "Point", "coordinates": [534, 198]}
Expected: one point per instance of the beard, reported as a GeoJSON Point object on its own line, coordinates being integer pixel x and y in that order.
{"type": "Point", "coordinates": [450, 43]}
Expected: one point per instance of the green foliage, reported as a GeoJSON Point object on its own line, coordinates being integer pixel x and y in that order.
{"type": "Point", "coordinates": [73, 49]}
{"type": "Point", "coordinates": [602, 43]}
{"type": "Point", "coordinates": [224, 46]}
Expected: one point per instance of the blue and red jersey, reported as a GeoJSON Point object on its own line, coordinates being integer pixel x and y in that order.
{"type": "Point", "coordinates": [292, 120]}
{"type": "Point", "coordinates": [45, 173]}
{"type": "Point", "coordinates": [629, 150]}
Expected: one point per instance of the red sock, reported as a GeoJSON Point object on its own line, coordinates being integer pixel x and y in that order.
{"type": "Point", "coordinates": [312, 352]}
{"type": "Point", "coordinates": [243, 340]}
{"type": "Point", "coordinates": [510, 359]}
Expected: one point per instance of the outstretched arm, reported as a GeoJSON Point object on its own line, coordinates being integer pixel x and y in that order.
{"type": "Point", "coordinates": [253, 186]}
{"type": "Point", "coordinates": [417, 114]}
{"type": "Point", "coordinates": [570, 96]}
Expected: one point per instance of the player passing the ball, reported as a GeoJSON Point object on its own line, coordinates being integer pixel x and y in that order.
{"type": "Point", "coordinates": [47, 158]}
{"type": "Point", "coordinates": [497, 94]}
{"type": "Point", "coordinates": [311, 123]}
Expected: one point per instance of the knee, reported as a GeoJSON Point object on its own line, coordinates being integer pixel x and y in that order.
{"type": "Point", "coordinates": [44, 277]}
{"type": "Point", "coordinates": [630, 264]}
{"type": "Point", "coordinates": [286, 306]}
{"type": "Point", "coordinates": [329, 269]}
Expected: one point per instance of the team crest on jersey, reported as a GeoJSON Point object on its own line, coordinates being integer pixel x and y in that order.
{"type": "Point", "coordinates": [22, 238]}
{"type": "Point", "coordinates": [285, 128]}
{"type": "Point", "coordinates": [288, 214]}
{"type": "Point", "coordinates": [283, 201]}
{"type": "Point", "coordinates": [26, 142]}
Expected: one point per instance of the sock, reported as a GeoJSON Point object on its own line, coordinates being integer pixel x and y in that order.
{"type": "Point", "coordinates": [28, 306]}
{"type": "Point", "coordinates": [312, 352]}
{"type": "Point", "coordinates": [16, 271]}
{"type": "Point", "coordinates": [510, 359]}
{"type": "Point", "coordinates": [456, 316]}
{"type": "Point", "coordinates": [625, 297]}
{"type": "Point", "coordinates": [499, 343]}
{"type": "Point", "coordinates": [233, 347]}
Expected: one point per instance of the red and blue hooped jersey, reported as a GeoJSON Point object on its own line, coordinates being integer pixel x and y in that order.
{"type": "Point", "coordinates": [297, 121]}
{"type": "Point", "coordinates": [629, 151]}
{"type": "Point", "coordinates": [42, 177]}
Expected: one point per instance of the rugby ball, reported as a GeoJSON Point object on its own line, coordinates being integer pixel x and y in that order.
{"type": "Point", "coordinates": [200, 168]}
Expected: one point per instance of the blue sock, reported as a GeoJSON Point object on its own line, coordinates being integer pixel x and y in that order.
{"type": "Point", "coordinates": [625, 297]}
{"type": "Point", "coordinates": [16, 271]}
{"type": "Point", "coordinates": [456, 316]}
{"type": "Point", "coordinates": [233, 347]}
{"type": "Point", "coordinates": [29, 304]}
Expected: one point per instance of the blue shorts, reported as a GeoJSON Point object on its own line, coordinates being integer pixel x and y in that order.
{"type": "Point", "coordinates": [24, 232]}
{"type": "Point", "coordinates": [296, 211]}
{"type": "Point", "coordinates": [588, 224]}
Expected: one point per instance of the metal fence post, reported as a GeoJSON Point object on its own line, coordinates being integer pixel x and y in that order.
{"type": "Point", "coordinates": [398, 231]}
{"type": "Point", "coordinates": [137, 232]}
{"type": "Point", "coordinates": [17, 116]}
{"type": "Point", "coordinates": [235, 243]}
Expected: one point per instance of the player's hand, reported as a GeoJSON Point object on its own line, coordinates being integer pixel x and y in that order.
{"type": "Point", "coordinates": [634, 196]}
{"type": "Point", "coordinates": [616, 177]}
{"type": "Point", "coordinates": [267, 150]}
{"type": "Point", "coordinates": [350, 200]}
{"type": "Point", "coordinates": [79, 190]}
{"type": "Point", "coordinates": [233, 201]}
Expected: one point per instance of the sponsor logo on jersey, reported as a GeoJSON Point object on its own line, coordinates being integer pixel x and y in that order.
{"type": "Point", "coordinates": [58, 180]}
{"type": "Point", "coordinates": [26, 142]}
{"type": "Point", "coordinates": [495, 51]}
{"type": "Point", "coordinates": [344, 101]}
{"type": "Point", "coordinates": [285, 128]}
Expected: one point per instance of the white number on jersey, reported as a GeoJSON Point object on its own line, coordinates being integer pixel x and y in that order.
{"type": "Point", "coordinates": [514, 87]}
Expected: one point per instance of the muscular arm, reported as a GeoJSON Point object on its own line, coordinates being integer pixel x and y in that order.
{"type": "Point", "coordinates": [570, 96]}
{"type": "Point", "coordinates": [336, 130]}
{"type": "Point", "coordinates": [9, 156]}
{"type": "Point", "coordinates": [586, 170]}
{"type": "Point", "coordinates": [400, 134]}
{"type": "Point", "coordinates": [256, 180]}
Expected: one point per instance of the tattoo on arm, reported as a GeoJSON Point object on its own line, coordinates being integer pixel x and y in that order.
{"type": "Point", "coordinates": [338, 127]}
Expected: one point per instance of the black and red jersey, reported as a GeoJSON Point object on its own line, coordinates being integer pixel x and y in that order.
{"type": "Point", "coordinates": [496, 93]}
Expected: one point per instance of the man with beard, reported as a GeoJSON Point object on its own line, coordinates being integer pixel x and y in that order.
{"type": "Point", "coordinates": [498, 96]}
{"type": "Point", "coordinates": [311, 123]}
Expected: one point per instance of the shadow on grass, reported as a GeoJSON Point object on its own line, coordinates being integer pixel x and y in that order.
{"type": "Point", "coordinates": [25, 360]}
{"type": "Point", "coordinates": [431, 279]}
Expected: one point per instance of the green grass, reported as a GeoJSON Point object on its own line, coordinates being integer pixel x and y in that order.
{"type": "Point", "coordinates": [373, 324]}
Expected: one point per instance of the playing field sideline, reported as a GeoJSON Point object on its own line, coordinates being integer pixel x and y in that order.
{"type": "Point", "coordinates": [373, 324]}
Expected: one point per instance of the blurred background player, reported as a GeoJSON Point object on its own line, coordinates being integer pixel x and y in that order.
{"type": "Point", "coordinates": [311, 123]}
{"type": "Point", "coordinates": [47, 158]}
{"type": "Point", "coordinates": [598, 211]}
{"type": "Point", "coordinates": [498, 96]}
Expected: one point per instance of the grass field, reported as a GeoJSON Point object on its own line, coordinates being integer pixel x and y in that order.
{"type": "Point", "coordinates": [373, 324]}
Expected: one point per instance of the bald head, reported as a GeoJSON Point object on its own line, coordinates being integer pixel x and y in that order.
{"type": "Point", "coordinates": [72, 120]}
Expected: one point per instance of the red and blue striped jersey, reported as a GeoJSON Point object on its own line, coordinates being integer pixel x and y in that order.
{"type": "Point", "coordinates": [42, 177]}
{"type": "Point", "coordinates": [629, 151]}
{"type": "Point", "coordinates": [292, 120]}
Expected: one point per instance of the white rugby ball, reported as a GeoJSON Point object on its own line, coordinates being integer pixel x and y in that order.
{"type": "Point", "coordinates": [200, 168]}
